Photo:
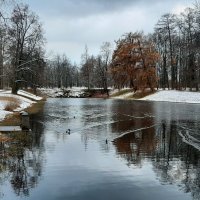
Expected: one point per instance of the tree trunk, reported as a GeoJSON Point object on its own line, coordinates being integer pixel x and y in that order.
{"type": "Point", "coordinates": [1, 63]}
{"type": "Point", "coordinates": [15, 88]}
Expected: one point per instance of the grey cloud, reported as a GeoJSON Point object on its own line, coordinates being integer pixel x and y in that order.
{"type": "Point", "coordinates": [70, 24]}
{"type": "Point", "coordinates": [84, 8]}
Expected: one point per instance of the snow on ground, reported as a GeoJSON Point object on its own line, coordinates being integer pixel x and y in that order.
{"type": "Point", "coordinates": [23, 101]}
{"type": "Point", "coordinates": [3, 113]}
{"type": "Point", "coordinates": [51, 92]}
{"type": "Point", "coordinates": [59, 92]}
{"type": "Point", "coordinates": [29, 95]}
{"type": "Point", "coordinates": [76, 91]}
{"type": "Point", "coordinates": [174, 96]}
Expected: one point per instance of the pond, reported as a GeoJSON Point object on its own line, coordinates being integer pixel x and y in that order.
{"type": "Point", "coordinates": [115, 149]}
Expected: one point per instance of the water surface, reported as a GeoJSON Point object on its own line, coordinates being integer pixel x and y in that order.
{"type": "Point", "coordinates": [115, 150]}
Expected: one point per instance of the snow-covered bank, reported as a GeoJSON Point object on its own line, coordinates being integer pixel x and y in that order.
{"type": "Point", "coordinates": [74, 92]}
{"type": "Point", "coordinates": [161, 95]}
{"type": "Point", "coordinates": [174, 96]}
{"type": "Point", "coordinates": [60, 92]}
{"type": "Point", "coordinates": [29, 95]}
{"type": "Point", "coordinates": [127, 93]}
{"type": "Point", "coordinates": [20, 103]}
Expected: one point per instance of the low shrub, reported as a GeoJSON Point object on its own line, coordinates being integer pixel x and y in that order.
{"type": "Point", "coordinates": [11, 103]}
{"type": "Point", "coordinates": [10, 106]}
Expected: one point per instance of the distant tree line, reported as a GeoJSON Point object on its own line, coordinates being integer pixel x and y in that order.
{"type": "Point", "coordinates": [93, 71]}
{"type": "Point", "coordinates": [177, 39]}
{"type": "Point", "coordinates": [173, 50]}
{"type": "Point", "coordinates": [60, 73]}
{"type": "Point", "coordinates": [167, 58]}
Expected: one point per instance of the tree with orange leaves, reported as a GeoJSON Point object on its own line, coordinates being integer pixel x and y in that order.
{"type": "Point", "coordinates": [134, 62]}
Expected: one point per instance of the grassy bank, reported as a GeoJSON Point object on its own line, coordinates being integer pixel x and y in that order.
{"type": "Point", "coordinates": [130, 94]}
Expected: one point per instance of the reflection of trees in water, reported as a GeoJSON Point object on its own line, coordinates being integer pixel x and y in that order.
{"type": "Point", "coordinates": [134, 147]}
{"type": "Point", "coordinates": [174, 162]}
{"type": "Point", "coordinates": [103, 121]}
{"type": "Point", "coordinates": [134, 116]}
{"type": "Point", "coordinates": [22, 160]}
{"type": "Point", "coordinates": [130, 116]}
{"type": "Point", "coordinates": [3, 167]}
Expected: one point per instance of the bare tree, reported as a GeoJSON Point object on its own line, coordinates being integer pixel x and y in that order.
{"type": "Point", "coordinates": [177, 40]}
{"type": "Point", "coordinates": [25, 34]}
{"type": "Point", "coordinates": [59, 72]}
{"type": "Point", "coordinates": [4, 21]}
{"type": "Point", "coordinates": [106, 56]}
{"type": "Point", "coordinates": [87, 68]}
{"type": "Point", "coordinates": [166, 32]}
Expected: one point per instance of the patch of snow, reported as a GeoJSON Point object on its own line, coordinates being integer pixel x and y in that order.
{"type": "Point", "coordinates": [2, 104]}
{"type": "Point", "coordinates": [3, 114]}
{"type": "Point", "coordinates": [174, 96]}
{"type": "Point", "coordinates": [59, 92]}
{"type": "Point", "coordinates": [29, 95]}
{"type": "Point", "coordinates": [51, 92]}
{"type": "Point", "coordinates": [5, 91]}
{"type": "Point", "coordinates": [76, 91]}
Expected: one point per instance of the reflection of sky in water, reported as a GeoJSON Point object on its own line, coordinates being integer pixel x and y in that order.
{"type": "Point", "coordinates": [83, 166]}
{"type": "Point", "coordinates": [175, 111]}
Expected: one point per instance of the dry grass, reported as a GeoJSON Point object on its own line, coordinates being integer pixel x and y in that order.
{"type": "Point", "coordinates": [121, 92]}
{"type": "Point", "coordinates": [4, 139]}
{"type": "Point", "coordinates": [11, 120]}
{"type": "Point", "coordinates": [12, 103]}
{"type": "Point", "coordinates": [35, 108]}
{"type": "Point", "coordinates": [10, 106]}
{"type": "Point", "coordinates": [140, 94]}
{"type": "Point", "coordinates": [12, 99]}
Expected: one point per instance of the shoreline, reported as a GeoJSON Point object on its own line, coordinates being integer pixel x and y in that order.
{"type": "Point", "coordinates": [33, 104]}
{"type": "Point", "coordinates": [175, 96]}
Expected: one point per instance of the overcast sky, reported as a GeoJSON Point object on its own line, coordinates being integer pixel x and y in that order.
{"type": "Point", "coordinates": [71, 24]}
